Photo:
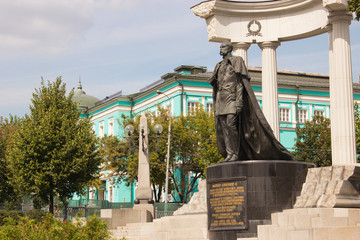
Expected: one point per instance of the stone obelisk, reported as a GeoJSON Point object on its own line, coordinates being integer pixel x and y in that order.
{"type": "Point", "coordinates": [143, 192]}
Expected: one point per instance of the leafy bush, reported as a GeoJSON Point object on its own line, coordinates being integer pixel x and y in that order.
{"type": "Point", "coordinates": [13, 214]}
{"type": "Point", "coordinates": [50, 228]}
{"type": "Point", "coordinates": [36, 214]}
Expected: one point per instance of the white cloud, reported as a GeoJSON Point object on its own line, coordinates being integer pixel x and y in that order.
{"type": "Point", "coordinates": [117, 5]}
{"type": "Point", "coordinates": [49, 26]}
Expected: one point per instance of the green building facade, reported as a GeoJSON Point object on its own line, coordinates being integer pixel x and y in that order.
{"type": "Point", "coordinates": [301, 96]}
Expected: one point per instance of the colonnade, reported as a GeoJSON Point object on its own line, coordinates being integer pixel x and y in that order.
{"type": "Point", "coordinates": [341, 89]}
{"type": "Point", "coordinates": [269, 80]}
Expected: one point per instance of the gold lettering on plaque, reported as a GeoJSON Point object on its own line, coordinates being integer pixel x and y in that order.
{"type": "Point", "coordinates": [226, 204]}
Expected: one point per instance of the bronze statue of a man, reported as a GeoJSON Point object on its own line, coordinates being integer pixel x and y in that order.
{"type": "Point", "coordinates": [242, 131]}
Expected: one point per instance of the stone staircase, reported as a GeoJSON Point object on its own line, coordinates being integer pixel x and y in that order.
{"type": "Point", "coordinates": [313, 224]}
{"type": "Point", "coordinates": [291, 224]}
{"type": "Point", "coordinates": [182, 227]}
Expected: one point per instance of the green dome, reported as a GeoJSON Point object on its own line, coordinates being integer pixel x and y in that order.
{"type": "Point", "coordinates": [84, 100]}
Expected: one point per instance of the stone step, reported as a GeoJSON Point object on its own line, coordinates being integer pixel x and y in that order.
{"type": "Point", "coordinates": [137, 238]}
{"type": "Point", "coordinates": [184, 238]}
{"type": "Point", "coordinates": [322, 222]}
{"type": "Point", "coordinates": [158, 236]}
{"type": "Point", "coordinates": [313, 224]}
{"type": "Point", "coordinates": [184, 221]}
{"type": "Point", "coordinates": [299, 235]}
{"type": "Point", "coordinates": [335, 233]}
{"type": "Point", "coordinates": [133, 225]}
{"type": "Point", "coordinates": [184, 227]}
{"type": "Point", "coordinates": [188, 234]}
{"type": "Point", "coordinates": [119, 235]}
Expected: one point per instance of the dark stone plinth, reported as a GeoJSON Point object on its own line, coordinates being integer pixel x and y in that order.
{"type": "Point", "coordinates": [244, 194]}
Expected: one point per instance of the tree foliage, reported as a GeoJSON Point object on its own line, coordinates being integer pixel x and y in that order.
{"type": "Point", "coordinates": [8, 127]}
{"type": "Point", "coordinates": [354, 6]}
{"type": "Point", "coordinates": [357, 129]}
{"type": "Point", "coordinates": [53, 152]}
{"type": "Point", "coordinates": [48, 227]}
{"type": "Point", "coordinates": [192, 149]}
{"type": "Point", "coordinates": [313, 142]}
{"type": "Point", "coordinates": [122, 154]}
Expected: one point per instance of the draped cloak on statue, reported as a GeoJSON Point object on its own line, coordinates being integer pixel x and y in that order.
{"type": "Point", "coordinates": [257, 141]}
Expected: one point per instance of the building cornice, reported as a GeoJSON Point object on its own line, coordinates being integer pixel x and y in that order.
{"type": "Point", "coordinates": [286, 80]}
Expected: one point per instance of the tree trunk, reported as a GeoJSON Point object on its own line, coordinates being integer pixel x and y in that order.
{"type": "Point", "coordinates": [159, 192]}
{"type": "Point", "coordinates": [65, 212]}
{"type": "Point", "coordinates": [155, 194]}
{"type": "Point", "coordinates": [51, 204]}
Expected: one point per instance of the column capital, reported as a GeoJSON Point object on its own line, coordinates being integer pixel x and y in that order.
{"type": "Point", "coordinates": [340, 16]}
{"type": "Point", "coordinates": [241, 45]}
{"type": "Point", "coordinates": [272, 44]}
{"type": "Point", "coordinates": [329, 28]}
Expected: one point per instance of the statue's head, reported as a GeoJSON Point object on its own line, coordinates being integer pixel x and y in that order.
{"type": "Point", "coordinates": [226, 48]}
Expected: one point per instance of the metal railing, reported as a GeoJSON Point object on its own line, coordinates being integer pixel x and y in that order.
{"type": "Point", "coordinates": [87, 208]}
{"type": "Point", "coordinates": [166, 209]}
{"type": "Point", "coordinates": [21, 207]}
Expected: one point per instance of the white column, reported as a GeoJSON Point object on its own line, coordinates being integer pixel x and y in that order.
{"type": "Point", "coordinates": [184, 105]}
{"type": "Point", "coordinates": [270, 103]}
{"type": "Point", "coordinates": [240, 49]}
{"type": "Point", "coordinates": [341, 91]}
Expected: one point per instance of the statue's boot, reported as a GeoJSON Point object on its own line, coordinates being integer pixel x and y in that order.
{"type": "Point", "coordinates": [233, 158]}
{"type": "Point", "coordinates": [227, 159]}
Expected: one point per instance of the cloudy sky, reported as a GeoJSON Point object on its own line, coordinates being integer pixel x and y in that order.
{"type": "Point", "coordinates": [120, 45]}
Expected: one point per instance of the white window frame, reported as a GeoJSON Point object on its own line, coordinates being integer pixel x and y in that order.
{"type": "Point", "coordinates": [192, 107]}
{"type": "Point", "coordinates": [284, 115]}
{"type": "Point", "coordinates": [302, 115]}
{"type": "Point", "coordinates": [111, 127]}
{"type": "Point", "coordinates": [101, 129]}
{"type": "Point", "coordinates": [319, 113]}
{"type": "Point", "coordinates": [209, 107]}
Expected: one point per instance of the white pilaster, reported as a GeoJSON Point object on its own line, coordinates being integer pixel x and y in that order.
{"type": "Point", "coordinates": [184, 105]}
{"type": "Point", "coordinates": [172, 106]}
{"type": "Point", "coordinates": [240, 49]}
{"type": "Point", "coordinates": [270, 86]}
{"type": "Point", "coordinates": [293, 118]}
{"type": "Point", "coordinates": [341, 90]}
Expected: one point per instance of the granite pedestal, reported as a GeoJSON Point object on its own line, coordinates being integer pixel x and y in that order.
{"type": "Point", "coordinates": [242, 195]}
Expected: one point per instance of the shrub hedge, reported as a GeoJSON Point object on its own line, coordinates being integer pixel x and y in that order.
{"type": "Point", "coordinates": [16, 215]}
{"type": "Point", "coordinates": [13, 214]}
{"type": "Point", "coordinates": [47, 227]}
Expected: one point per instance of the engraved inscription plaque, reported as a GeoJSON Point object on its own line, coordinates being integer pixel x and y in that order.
{"type": "Point", "coordinates": [227, 205]}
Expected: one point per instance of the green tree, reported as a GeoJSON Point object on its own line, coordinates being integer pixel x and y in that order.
{"type": "Point", "coordinates": [121, 155]}
{"type": "Point", "coordinates": [8, 127]}
{"type": "Point", "coordinates": [354, 6]}
{"type": "Point", "coordinates": [313, 142]}
{"type": "Point", "coordinates": [357, 129]}
{"type": "Point", "coordinates": [194, 147]}
{"type": "Point", "coordinates": [53, 152]}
